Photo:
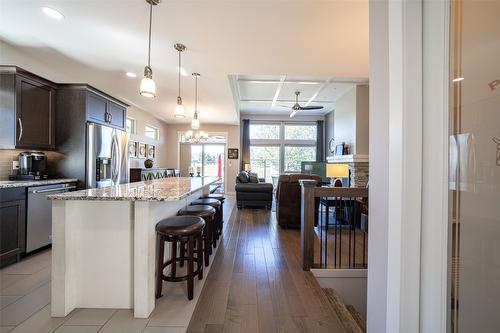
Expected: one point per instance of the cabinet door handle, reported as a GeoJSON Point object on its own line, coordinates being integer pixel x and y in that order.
{"type": "Point", "coordinates": [110, 117]}
{"type": "Point", "coordinates": [20, 129]}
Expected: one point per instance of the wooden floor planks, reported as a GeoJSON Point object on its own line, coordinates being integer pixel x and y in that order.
{"type": "Point", "coordinates": [256, 284]}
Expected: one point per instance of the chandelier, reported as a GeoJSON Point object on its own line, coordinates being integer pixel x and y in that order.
{"type": "Point", "coordinates": [194, 136]}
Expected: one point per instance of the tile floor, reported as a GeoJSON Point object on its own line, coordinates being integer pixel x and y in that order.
{"type": "Point", "coordinates": [25, 304]}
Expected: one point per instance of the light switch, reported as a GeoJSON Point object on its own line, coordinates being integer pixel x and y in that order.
{"type": "Point", "coordinates": [15, 165]}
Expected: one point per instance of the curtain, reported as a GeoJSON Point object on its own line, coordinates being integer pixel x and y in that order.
{"type": "Point", "coordinates": [245, 143]}
{"type": "Point", "coordinates": [320, 142]}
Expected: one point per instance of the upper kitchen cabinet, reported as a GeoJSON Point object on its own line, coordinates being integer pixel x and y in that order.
{"type": "Point", "coordinates": [96, 106]}
{"type": "Point", "coordinates": [27, 110]}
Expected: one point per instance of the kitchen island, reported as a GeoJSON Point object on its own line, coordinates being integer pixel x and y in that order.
{"type": "Point", "coordinates": [104, 242]}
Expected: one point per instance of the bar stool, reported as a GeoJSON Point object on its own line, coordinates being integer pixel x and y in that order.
{"type": "Point", "coordinates": [175, 229]}
{"type": "Point", "coordinates": [218, 216]}
{"type": "Point", "coordinates": [207, 213]}
{"type": "Point", "coordinates": [221, 198]}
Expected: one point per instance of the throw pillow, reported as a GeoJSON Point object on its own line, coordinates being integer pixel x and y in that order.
{"type": "Point", "coordinates": [243, 177]}
{"type": "Point", "coordinates": [253, 178]}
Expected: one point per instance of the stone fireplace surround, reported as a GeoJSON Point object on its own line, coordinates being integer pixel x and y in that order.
{"type": "Point", "coordinates": [358, 167]}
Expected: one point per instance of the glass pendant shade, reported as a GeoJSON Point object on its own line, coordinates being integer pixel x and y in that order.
{"type": "Point", "coordinates": [148, 87]}
{"type": "Point", "coordinates": [195, 124]}
{"type": "Point", "coordinates": [179, 111]}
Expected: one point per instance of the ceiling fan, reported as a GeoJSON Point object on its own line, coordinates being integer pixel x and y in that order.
{"type": "Point", "coordinates": [297, 107]}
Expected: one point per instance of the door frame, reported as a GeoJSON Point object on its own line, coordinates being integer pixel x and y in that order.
{"type": "Point", "coordinates": [434, 288]}
{"type": "Point", "coordinates": [407, 275]}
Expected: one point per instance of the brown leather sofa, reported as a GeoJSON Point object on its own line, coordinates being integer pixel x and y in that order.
{"type": "Point", "coordinates": [288, 199]}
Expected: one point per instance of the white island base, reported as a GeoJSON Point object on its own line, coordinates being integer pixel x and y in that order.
{"type": "Point", "coordinates": [104, 251]}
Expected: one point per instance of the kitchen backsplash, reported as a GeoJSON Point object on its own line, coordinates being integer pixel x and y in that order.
{"type": "Point", "coordinates": [9, 155]}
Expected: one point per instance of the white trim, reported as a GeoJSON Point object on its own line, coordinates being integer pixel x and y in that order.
{"type": "Point", "coordinates": [358, 158]}
{"type": "Point", "coordinates": [405, 166]}
{"type": "Point", "coordinates": [339, 273]}
{"type": "Point", "coordinates": [434, 248]}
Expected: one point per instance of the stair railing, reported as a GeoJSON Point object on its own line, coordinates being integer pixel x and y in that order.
{"type": "Point", "coordinates": [336, 234]}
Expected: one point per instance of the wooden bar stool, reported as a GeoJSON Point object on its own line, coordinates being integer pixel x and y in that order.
{"type": "Point", "coordinates": [207, 213]}
{"type": "Point", "coordinates": [221, 198]}
{"type": "Point", "coordinates": [176, 229]}
{"type": "Point", "coordinates": [218, 222]}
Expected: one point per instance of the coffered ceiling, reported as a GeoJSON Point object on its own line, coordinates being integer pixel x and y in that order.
{"type": "Point", "coordinates": [275, 95]}
{"type": "Point", "coordinates": [99, 40]}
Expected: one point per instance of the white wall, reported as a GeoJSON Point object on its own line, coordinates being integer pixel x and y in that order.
{"type": "Point", "coordinates": [379, 168]}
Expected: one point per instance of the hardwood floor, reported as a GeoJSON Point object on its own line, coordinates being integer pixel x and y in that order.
{"type": "Point", "coordinates": [256, 284]}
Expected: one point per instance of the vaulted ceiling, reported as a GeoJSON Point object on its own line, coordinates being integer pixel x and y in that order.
{"type": "Point", "coordinates": [99, 40]}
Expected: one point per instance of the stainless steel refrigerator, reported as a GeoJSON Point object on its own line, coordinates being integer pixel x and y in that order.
{"type": "Point", "coordinates": [106, 156]}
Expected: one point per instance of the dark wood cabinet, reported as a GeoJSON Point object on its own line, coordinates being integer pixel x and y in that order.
{"type": "Point", "coordinates": [117, 114]}
{"type": "Point", "coordinates": [103, 111]}
{"type": "Point", "coordinates": [35, 112]}
{"type": "Point", "coordinates": [96, 108]}
{"type": "Point", "coordinates": [139, 174]}
{"type": "Point", "coordinates": [27, 110]}
{"type": "Point", "coordinates": [12, 224]}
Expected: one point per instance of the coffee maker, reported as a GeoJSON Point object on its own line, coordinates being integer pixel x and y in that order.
{"type": "Point", "coordinates": [32, 165]}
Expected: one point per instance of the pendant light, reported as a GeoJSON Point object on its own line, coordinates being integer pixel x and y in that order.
{"type": "Point", "coordinates": [195, 123]}
{"type": "Point", "coordinates": [148, 86]}
{"type": "Point", "coordinates": [179, 108]}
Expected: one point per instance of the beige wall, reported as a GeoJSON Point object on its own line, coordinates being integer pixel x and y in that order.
{"type": "Point", "coordinates": [142, 119]}
{"type": "Point", "coordinates": [345, 120]}
{"type": "Point", "coordinates": [351, 119]}
{"type": "Point", "coordinates": [362, 119]}
{"type": "Point", "coordinates": [233, 141]}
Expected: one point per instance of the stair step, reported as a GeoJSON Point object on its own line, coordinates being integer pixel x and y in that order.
{"type": "Point", "coordinates": [357, 316]}
{"type": "Point", "coordinates": [346, 318]}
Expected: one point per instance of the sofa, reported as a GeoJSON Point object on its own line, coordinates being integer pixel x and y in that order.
{"type": "Point", "coordinates": [288, 199]}
{"type": "Point", "coordinates": [252, 191]}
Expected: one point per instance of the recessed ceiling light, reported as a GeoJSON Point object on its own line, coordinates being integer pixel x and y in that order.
{"type": "Point", "coordinates": [458, 79]}
{"type": "Point", "coordinates": [130, 74]}
{"type": "Point", "coordinates": [53, 13]}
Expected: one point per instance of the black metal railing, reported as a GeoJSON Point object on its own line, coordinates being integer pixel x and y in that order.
{"type": "Point", "coordinates": [334, 230]}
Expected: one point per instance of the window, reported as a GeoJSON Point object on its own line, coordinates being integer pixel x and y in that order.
{"type": "Point", "coordinates": [281, 147]}
{"type": "Point", "coordinates": [295, 155]}
{"type": "Point", "coordinates": [264, 131]}
{"type": "Point", "coordinates": [265, 161]}
{"type": "Point", "coordinates": [130, 125]}
{"type": "Point", "coordinates": [151, 132]}
{"type": "Point", "coordinates": [300, 132]}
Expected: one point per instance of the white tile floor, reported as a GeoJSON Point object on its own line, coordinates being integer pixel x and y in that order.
{"type": "Point", "coordinates": [25, 304]}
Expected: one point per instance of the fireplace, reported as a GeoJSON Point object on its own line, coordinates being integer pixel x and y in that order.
{"type": "Point", "coordinates": [358, 168]}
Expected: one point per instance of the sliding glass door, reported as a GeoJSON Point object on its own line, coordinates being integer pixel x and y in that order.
{"type": "Point", "coordinates": [208, 159]}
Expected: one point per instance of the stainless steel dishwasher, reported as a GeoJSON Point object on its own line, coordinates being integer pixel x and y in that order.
{"type": "Point", "coordinates": [39, 214]}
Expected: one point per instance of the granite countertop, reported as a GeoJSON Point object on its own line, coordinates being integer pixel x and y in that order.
{"type": "Point", "coordinates": [165, 189]}
{"type": "Point", "coordinates": [28, 183]}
